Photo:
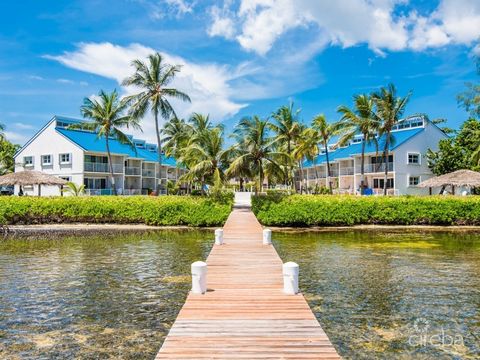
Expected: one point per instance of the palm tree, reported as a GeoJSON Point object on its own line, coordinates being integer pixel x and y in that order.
{"type": "Point", "coordinates": [74, 189]}
{"type": "Point", "coordinates": [176, 136]}
{"type": "Point", "coordinates": [206, 155]}
{"type": "Point", "coordinates": [326, 131]}
{"type": "Point", "coordinates": [255, 151]}
{"type": "Point", "coordinates": [360, 120]}
{"type": "Point", "coordinates": [389, 110]}
{"type": "Point", "coordinates": [153, 78]}
{"type": "Point", "coordinates": [287, 129]}
{"type": "Point", "coordinates": [307, 147]}
{"type": "Point", "coordinates": [108, 115]}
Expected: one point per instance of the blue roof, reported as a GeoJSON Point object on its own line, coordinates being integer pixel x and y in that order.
{"type": "Point", "coordinates": [90, 142]}
{"type": "Point", "coordinates": [399, 137]}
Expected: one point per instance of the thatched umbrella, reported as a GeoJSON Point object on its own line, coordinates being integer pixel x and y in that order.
{"type": "Point", "coordinates": [462, 178]}
{"type": "Point", "coordinates": [30, 177]}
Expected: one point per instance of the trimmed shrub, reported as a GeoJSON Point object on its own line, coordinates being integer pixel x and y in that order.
{"type": "Point", "coordinates": [328, 210]}
{"type": "Point", "coordinates": [163, 210]}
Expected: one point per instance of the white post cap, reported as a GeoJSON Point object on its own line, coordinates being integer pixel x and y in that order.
{"type": "Point", "coordinates": [219, 236]}
{"type": "Point", "coordinates": [267, 237]}
{"type": "Point", "coordinates": [199, 277]}
{"type": "Point", "coordinates": [290, 278]}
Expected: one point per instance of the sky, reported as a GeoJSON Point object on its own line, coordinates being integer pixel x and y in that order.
{"type": "Point", "coordinates": [238, 58]}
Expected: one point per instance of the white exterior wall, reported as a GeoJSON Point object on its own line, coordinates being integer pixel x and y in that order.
{"type": "Point", "coordinates": [420, 143]}
{"type": "Point", "coordinates": [50, 142]}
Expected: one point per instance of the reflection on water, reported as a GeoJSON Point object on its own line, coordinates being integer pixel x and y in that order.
{"type": "Point", "coordinates": [392, 295]}
{"type": "Point", "coordinates": [94, 297]}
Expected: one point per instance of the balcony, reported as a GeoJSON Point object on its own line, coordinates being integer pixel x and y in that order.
{"type": "Point", "coordinates": [98, 192]}
{"type": "Point", "coordinates": [374, 168]}
{"type": "Point", "coordinates": [135, 192]}
{"type": "Point", "coordinates": [133, 171]}
{"type": "Point", "coordinates": [347, 171]}
{"type": "Point", "coordinates": [102, 167]}
{"type": "Point", "coordinates": [148, 173]}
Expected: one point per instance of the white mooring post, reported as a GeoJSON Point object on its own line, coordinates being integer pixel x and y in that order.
{"type": "Point", "coordinates": [199, 277]}
{"type": "Point", "coordinates": [267, 237]}
{"type": "Point", "coordinates": [290, 278]}
{"type": "Point", "coordinates": [218, 236]}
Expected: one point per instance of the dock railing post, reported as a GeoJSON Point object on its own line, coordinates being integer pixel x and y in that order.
{"type": "Point", "coordinates": [218, 236]}
{"type": "Point", "coordinates": [290, 278]}
{"type": "Point", "coordinates": [199, 277]}
{"type": "Point", "coordinates": [267, 237]}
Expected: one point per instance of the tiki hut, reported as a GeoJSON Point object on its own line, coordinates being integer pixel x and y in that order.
{"type": "Point", "coordinates": [31, 178]}
{"type": "Point", "coordinates": [459, 178]}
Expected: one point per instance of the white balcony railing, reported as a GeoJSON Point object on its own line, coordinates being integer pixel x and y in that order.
{"type": "Point", "coordinates": [347, 171]}
{"type": "Point", "coordinates": [134, 192]}
{"type": "Point", "coordinates": [102, 167]}
{"type": "Point", "coordinates": [130, 170]}
{"type": "Point", "coordinates": [374, 168]}
{"type": "Point", "coordinates": [97, 192]}
{"type": "Point", "coordinates": [148, 173]}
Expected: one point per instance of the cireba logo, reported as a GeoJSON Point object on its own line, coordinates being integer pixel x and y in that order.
{"type": "Point", "coordinates": [422, 336]}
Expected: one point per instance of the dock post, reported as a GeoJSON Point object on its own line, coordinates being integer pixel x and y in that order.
{"type": "Point", "coordinates": [290, 278]}
{"type": "Point", "coordinates": [199, 277]}
{"type": "Point", "coordinates": [267, 237]}
{"type": "Point", "coordinates": [218, 236]}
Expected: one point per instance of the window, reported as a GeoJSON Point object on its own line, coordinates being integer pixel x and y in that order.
{"type": "Point", "coordinates": [46, 159]}
{"type": "Point", "coordinates": [414, 158]}
{"type": "Point", "coordinates": [413, 180]}
{"type": "Point", "coordinates": [379, 159]}
{"type": "Point", "coordinates": [28, 160]}
{"type": "Point", "coordinates": [65, 158]}
{"type": "Point", "coordinates": [95, 183]}
{"type": "Point", "coordinates": [379, 183]}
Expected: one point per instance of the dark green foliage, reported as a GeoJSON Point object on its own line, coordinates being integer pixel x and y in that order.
{"type": "Point", "coordinates": [318, 210]}
{"type": "Point", "coordinates": [165, 210]}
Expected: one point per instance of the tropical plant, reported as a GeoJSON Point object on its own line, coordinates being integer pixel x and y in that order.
{"type": "Point", "coordinates": [7, 152]}
{"type": "Point", "coordinates": [469, 99]}
{"type": "Point", "coordinates": [2, 129]}
{"type": "Point", "coordinates": [287, 129]}
{"type": "Point", "coordinates": [205, 155]}
{"type": "Point", "coordinates": [153, 79]}
{"type": "Point", "coordinates": [256, 151]}
{"type": "Point", "coordinates": [307, 147]}
{"type": "Point", "coordinates": [176, 136]}
{"type": "Point", "coordinates": [360, 120]}
{"type": "Point", "coordinates": [326, 131]}
{"type": "Point", "coordinates": [73, 189]}
{"type": "Point", "coordinates": [389, 110]}
{"type": "Point", "coordinates": [108, 116]}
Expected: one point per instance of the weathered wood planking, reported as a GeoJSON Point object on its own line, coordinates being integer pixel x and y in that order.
{"type": "Point", "coordinates": [245, 314]}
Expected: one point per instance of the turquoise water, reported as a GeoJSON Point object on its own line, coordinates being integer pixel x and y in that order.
{"type": "Point", "coordinates": [392, 295]}
{"type": "Point", "coordinates": [378, 295]}
{"type": "Point", "coordinates": [94, 297]}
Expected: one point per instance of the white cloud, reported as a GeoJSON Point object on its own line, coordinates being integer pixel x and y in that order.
{"type": "Point", "coordinates": [65, 81]}
{"type": "Point", "coordinates": [258, 24]}
{"type": "Point", "coordinates": [208, 85]}
{"type": "Point", "coordinates": [35, 77]}
{"type": "Point", "coordinates": [16, 138]}
{"type": "Point", "coordinates": [23, 126]}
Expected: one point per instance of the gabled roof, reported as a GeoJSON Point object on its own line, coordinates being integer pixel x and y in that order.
{"type": "Point", "coordinates": [399, 137]}
{"type": "Point", "coordinates": [89, 141]}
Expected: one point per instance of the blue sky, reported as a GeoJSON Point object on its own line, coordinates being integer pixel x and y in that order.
{"type": "Point", "coordinates": [239, 57]}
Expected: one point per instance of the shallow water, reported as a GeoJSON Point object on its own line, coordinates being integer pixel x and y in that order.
{"type": "Point", "coordinates": [391, 295]}
{"type": "Point", "coordinates": [94, 297]}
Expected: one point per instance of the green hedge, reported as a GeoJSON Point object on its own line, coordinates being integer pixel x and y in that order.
{"type": "Point", "coordinates": [328, 210]}
{"type": "Point", "coordinates": [162, 210]}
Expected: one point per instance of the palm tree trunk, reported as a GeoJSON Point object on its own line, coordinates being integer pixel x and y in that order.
{"type": "Point", "coordinates": [159, 150]}
{"type": "Point", "coordinates": [362, 168]}
{"type": "Point", "coordinates": [328, 169]}
{"type": "Point", "coordinates": [385, 156]}
{"type": "Point", "coordinates": [260, 178]}
{"type": "Point", "coordinates": [303, 181]}
{"type": "Point", "coordinates": [110, 165]}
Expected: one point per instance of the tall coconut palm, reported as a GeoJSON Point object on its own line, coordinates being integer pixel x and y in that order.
{"type": "Point", "coordinates": [153, 78]}
{"type": "Point", "coordinates": [359, 120]}
{"type": "Point", "coordinates": [256, 151]}
{"type": "Point", "coordinates": [326, 131]}
{"type": "Point", "coordinates": [307, 147]}
{"type": "Point", "coordinates": [287, 129]}
{"type": "Point", "coordinates": [2, 129]}
{"type": "Point", "coordinates": [389, 110]}
{"type": "Point", "coordinates": [108, 116]}
{"type": "Point", "coordinates": [207, 157]}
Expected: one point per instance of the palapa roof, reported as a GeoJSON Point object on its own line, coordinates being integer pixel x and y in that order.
{"type": "Point", "coordinates": [30, 177]}
{"type": "Point", "coordinates": [457, 178]}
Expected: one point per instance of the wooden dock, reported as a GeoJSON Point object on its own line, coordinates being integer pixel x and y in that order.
{"type": "Point", "coordinates": [245, 314]}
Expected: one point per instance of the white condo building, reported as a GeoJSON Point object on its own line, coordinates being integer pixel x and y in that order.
{"type": "Point", "coordinates": [407, 164]}
{"type": "Point", "coordinates": [81, 157]}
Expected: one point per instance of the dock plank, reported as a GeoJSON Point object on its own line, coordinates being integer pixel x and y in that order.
{"type": "Point", "coordinates": [245, 314]}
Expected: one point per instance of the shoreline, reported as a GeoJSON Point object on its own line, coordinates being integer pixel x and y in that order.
{"type": "Point", "coordinates": [92, 228]}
